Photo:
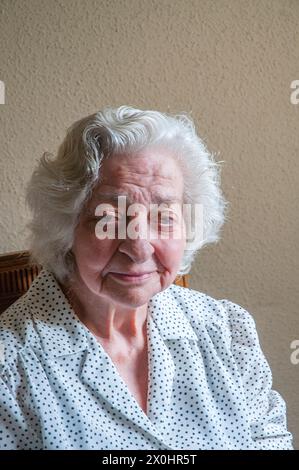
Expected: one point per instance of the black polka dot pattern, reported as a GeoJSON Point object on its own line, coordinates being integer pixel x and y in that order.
{"type": "Point", "coordinates": [210, 386]}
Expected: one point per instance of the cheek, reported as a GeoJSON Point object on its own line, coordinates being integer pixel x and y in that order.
{"type": "Point", "coordinates": [91, 253]}
{"type": "Point", "coordinates": [170, 253]}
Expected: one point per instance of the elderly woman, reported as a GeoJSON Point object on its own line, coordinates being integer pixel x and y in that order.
{"type": "Point", "coordinates": [104, 351]}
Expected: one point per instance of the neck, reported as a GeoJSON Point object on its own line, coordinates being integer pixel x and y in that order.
{"type": "Point", "coordinates": [107, 320]}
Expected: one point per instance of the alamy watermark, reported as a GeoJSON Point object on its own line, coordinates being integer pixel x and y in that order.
{"type": "Point", "coordinates": [161, 221]}
{"type": "Point", "coordinates": [294, 358]}
{"type": "Point", "coordinates": [294, 96]}
{"type": "Point", "coordinates": [2, 92]}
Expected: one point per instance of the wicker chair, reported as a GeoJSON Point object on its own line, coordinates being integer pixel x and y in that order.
{"type": "Point", "coordinates": [16, 275]}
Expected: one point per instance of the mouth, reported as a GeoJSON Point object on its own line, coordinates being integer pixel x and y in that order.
{"type": "Point", "coordinates": [131, 278]}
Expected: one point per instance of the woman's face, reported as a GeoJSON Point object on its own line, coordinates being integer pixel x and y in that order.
{"type": "Point", "coordinates": [106, 266]}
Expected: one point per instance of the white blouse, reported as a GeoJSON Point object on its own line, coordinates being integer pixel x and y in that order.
{"type": "Point", "coordinates": [209, 382]}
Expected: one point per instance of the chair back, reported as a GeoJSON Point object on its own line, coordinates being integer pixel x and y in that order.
{"type": "Point", "coordinates": [16, 275]}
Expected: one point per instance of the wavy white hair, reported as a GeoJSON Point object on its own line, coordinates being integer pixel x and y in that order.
{"type": "Point", "coordinates": [60, 186]}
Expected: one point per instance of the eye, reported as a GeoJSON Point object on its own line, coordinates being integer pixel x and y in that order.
{"type": "Point", "coordinates": [108, 217]}
{"type": "Point", "coordinates": [167, 218]}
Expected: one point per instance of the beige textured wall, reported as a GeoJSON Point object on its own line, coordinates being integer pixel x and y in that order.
{"type": "Point", "coordinates": [231, 63]}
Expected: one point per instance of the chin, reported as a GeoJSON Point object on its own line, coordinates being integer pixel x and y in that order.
{"type": "Point", "coordinates": [135, 297]}
{"type": "Point", "coordinates": [130, 302]}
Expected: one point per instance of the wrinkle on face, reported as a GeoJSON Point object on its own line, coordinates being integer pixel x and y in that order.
{"type": "Point", "coordinates": [142, 180]}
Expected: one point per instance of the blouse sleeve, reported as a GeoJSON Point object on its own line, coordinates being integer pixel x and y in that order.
{"type": "Point", "coordinates": [266, 409]}
{"type": "Point", "coordinates": [17, 430]}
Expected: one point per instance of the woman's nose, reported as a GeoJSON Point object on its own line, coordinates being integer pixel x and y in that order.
{"type": "Point", "coordinates": [139, 250]}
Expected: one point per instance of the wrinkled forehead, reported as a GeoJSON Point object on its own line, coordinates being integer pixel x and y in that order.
{"type": "Point", "coordinates": [155, 177]}
{"type": "Point", "coordinates": [158, 164]}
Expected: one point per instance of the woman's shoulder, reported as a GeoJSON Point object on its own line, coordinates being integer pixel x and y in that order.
{"type": "Point", "coordinates": [16, 331]}
{"type": "Point", "coordinates": [202, 309]}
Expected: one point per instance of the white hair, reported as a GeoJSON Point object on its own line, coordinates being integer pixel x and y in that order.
{"type": "Point", "coordinates": [60, 186]}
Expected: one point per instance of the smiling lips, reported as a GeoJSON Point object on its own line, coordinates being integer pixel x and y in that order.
{"type": "Point", "coordinates": [132, 277]}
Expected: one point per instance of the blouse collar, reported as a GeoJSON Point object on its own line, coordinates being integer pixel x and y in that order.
{"type": "Point", "coordinates": [62, 333]}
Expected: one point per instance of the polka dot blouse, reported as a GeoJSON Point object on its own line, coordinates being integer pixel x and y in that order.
{"type": "Point", "coordinates": [210, 386]}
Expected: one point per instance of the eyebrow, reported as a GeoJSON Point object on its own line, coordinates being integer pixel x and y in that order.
{"type": "Point", "coordinates": [158, 199]}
